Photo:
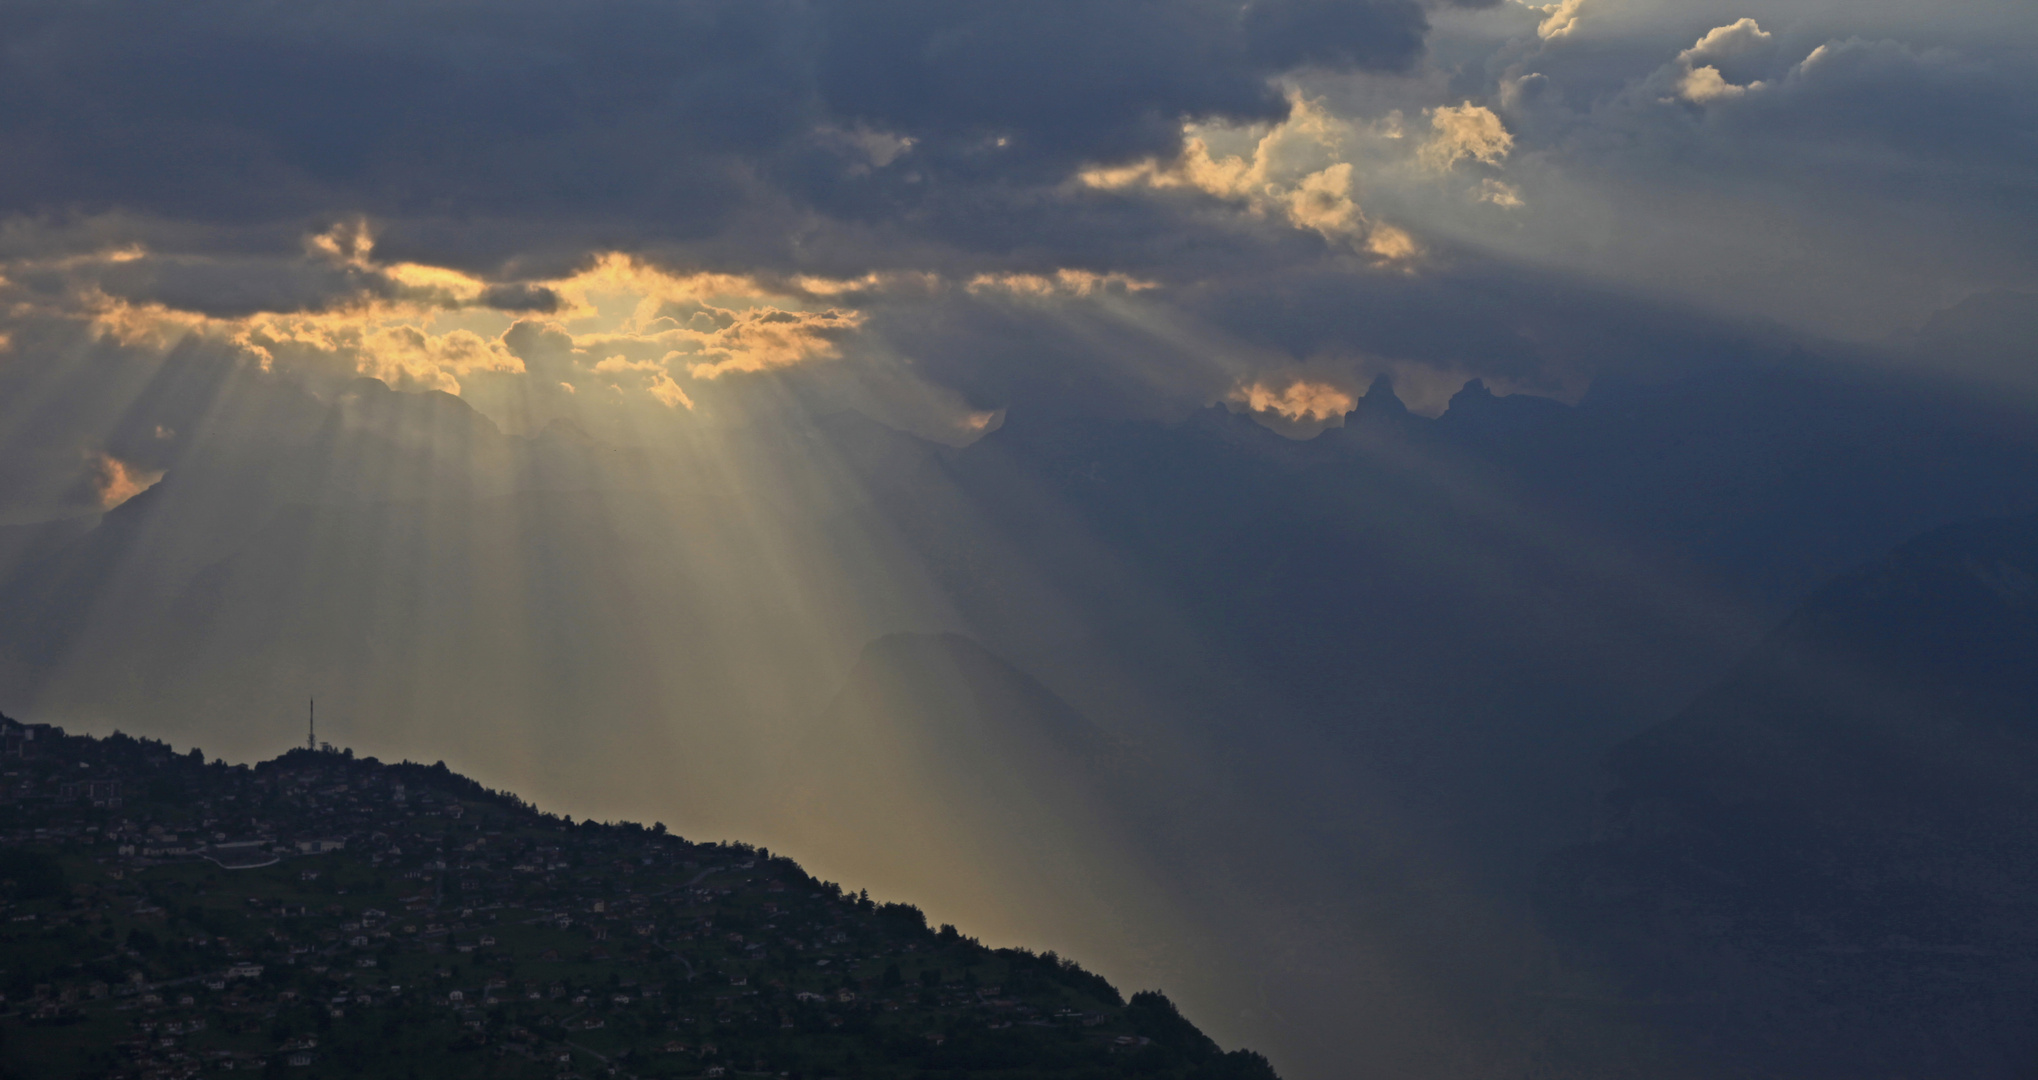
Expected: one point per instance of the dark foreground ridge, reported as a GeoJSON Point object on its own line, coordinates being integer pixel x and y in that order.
{"type": "Point", "coordinates": [323, 915]}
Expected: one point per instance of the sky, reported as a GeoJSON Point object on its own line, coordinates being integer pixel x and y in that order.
{"type": "Point", "coordinates": [626, 209]}
{"type": "Point", "coordinates": [683, 318]}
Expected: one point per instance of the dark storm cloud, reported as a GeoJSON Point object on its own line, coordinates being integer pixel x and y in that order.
{"type": "Point", "coordinates": [1532, 331]}
{"type": "Point", "coordinates": [1758, 163]}
{"type": "Point", "coordinates": [1332, 33]}
{"type": "Point", "coordinates": [231, 287]}
{"type": "Point", "coordinates": [674, 115]}
{"type": "Point", "coordinates": [520, 297]}
{"type": "Point", "coordinates": [1911, 115]}
{"type": "Point", "coordinates": [775, 138]}
{"type": "Point", "coordinates": [1867, 118]}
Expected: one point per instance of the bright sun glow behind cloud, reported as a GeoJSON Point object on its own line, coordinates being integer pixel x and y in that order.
{"type": "Point", "coordinates": [629, 327]}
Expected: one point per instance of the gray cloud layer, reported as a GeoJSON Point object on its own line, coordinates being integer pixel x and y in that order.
{"type": "Point", "coordinates": [1600, 212]}
{"type": "Point", "coordinates": [668, 115]}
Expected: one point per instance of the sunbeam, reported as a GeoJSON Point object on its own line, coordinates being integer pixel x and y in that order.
{"type": "Point", "coordinates": [1457, 539]}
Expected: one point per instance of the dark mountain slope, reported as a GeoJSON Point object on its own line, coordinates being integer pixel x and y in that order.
{"type": "Point", "coordinates": [342, 917]}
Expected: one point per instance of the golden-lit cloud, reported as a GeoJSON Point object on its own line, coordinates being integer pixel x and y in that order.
{"type": "Point", "coordinates": [617, 331]}
{"type": "Point", "coordinates": [1465, 132]}
{"type": "Point", "coordinates": [649, 375]}
{"type": "Point", "coordinates": [393, 342]}
{"type": "Point", "coordinates": [764, 338]}
{"type": "Point", "coordinates": [349, 242]}
{"type": "Point", "coordinates": [1500, 193]}
{"type": "Point", "coordinates": [1705, 84]}
{"type": "Point", "coordinates": [1392, 245]}
{"type": "Point", "coordinates": [891, 282]}
{"type": "Point", "coordinates": [1559, 19]}
{"type": "Point", "coordinates": [116, 481]}
{"type": "Point", "coordinates": [705, 325]}
{"type": "Point", "coordinates": [1739, 36]}
{"type": "Point", "coordinates": [629, 325]}
{"type": "Point", "coordinates": [666, 392]}
{"type": "Point", "coordinates": [1296, 171]}
{"type": "Point", "coordinates": [1323, 201]}
{"type": "Point", "coordinates": [406, 355]}
{"type": "Point", "coordinates": [1700, 80]}
{"type": "Point", "coordinates": [1297, 400]}
{"type": "Point", "coordinates": [633, 293]}
{"type": "Point", "coordinates": [400, 334]}
{"type": "Point", "coordinates": [1283, 156]}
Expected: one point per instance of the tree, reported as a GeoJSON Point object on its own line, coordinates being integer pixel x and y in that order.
{"type": "Point", "coordinates": [1155, 1017]}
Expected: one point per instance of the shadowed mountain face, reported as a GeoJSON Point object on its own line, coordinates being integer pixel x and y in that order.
{"type": "Point", "coordinates": [1827, 865]}
{"type": "Point", "coordinates": [1281, 727]}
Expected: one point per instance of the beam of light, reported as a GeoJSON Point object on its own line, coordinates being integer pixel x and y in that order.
{"type": "Point", "coordinates": [628, 605]}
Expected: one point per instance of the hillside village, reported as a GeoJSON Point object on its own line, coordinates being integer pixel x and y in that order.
{"type": "Point", "coordinates": [319, 914]}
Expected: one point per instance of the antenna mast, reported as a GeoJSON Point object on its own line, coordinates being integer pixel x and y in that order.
{"type": "Point", "coordinates": [311, 735]}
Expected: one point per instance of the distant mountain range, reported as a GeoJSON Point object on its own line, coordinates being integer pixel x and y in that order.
{"type": "Point", "coordinates": [1827, 866]}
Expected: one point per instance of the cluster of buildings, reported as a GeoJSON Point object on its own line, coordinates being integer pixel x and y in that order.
{"type": "Point", "coordinates": [162, 916]}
